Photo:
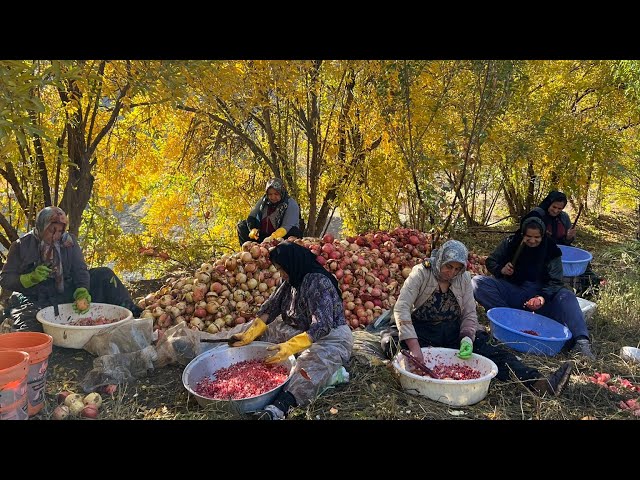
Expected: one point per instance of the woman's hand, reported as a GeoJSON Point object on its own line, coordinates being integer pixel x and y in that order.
{"type": "Point", "coordinates": [571, 233]}
{"type": "Point", "coordinates": [414, 348]}
{"type": "Point", "coordinates": [507, 270]}
{"type": "Point", "coordinates": [534, 303]}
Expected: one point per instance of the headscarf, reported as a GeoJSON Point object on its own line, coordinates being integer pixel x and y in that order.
{"type": "Point", "coordinates": [531, 263]}
{"type": "Point", "coordinates": [554, 196]}
{"type": "Point", "coordinates": [280, 206]}
{"type": "Point", "coordinates": [451, 251]}
{"type": "Point", "coordinates": [298, 261]}
{"type": "Point", "coordinates": [554, 225]}
{"type": "Point", "coordinates": [50, 252]}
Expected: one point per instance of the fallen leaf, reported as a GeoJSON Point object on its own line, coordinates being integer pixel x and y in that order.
{"type": "Point", "coordinates": [588, 417]}
{"type": "Point", "coordinates": [333, 410]}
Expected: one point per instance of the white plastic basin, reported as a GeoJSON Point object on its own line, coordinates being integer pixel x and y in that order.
{"type": "Point", "coordinates": [450, 392]}
{"type": "Point", "coordinates": [73, 336]}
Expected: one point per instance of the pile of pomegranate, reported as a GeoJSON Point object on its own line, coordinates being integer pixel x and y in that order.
{"type": "Point", "coordinates": [229, 290]}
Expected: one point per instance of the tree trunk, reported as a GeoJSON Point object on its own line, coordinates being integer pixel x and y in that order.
{"type": "Point", "coordinates": [77, 191]}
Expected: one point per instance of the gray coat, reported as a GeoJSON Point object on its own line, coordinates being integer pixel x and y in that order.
{"type": "Point", "coordinates": [24, 257]}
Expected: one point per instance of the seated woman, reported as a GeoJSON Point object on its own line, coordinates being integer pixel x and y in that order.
{"type": "Point", "coordinates": [275, 215]}
{"type": "Point", "coordinates": [436, 308]}
{"type": "Point", "coordinates": [527, 271]}
{"type": "Point", "coordinates": [559, 228]}
{"type": "Point", "coordinates": [46, 267]}
{"type": "Point", "coordinates": [304, 315]}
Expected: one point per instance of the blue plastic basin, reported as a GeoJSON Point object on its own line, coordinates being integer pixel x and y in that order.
{"type": "Point", "coordinates": [507, 325]}
{"type": "Point", "coordinates": [574, 260]}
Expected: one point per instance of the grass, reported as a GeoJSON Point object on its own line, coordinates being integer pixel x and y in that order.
{"type": "Point", "coordinates": [374, 391]}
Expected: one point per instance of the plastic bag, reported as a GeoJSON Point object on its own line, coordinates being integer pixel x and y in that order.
{"type": "Point", "coordinates": [119, 368]}
{"type": "Point", "coordinates": [180, 344]}
{"type": "Point", "coordinates": [127, 337]}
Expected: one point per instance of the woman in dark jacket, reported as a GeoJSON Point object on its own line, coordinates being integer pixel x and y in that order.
{"type": "Point", "coordinates": [305, 315]}
{"type": "Point", "coordinates": [275, 215]}
{"type": "Point", "coordinates": [559, 228]}
{"type": "Point", "coordinates": [527, 273]}
{"type": "Point", "coordinates": [46, 267]}
{"type": "Point", "coordinates": [557, 222]}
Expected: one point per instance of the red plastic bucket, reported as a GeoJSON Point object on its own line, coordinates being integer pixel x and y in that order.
{"type": "Point", "coordinates": [39, 347]}
{"type": "Point", "coordinates": [14, 369]}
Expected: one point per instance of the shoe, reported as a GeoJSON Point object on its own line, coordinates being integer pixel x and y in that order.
{"type": "Point", "coordinates": [554, 384]}
{"type": "Point", "coordinates": [583, 347]}
{"type": "Point", "coordinates": [270, 412]}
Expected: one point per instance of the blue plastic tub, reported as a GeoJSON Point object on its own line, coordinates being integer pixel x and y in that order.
{"type": "Point", "coordinates": [507, 325]}
{"type": "Point", "coordinates": [574, 260]}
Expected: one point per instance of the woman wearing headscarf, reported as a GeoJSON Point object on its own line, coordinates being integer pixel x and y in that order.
{"type": "Point", "coordinates": [46, 267]}
{"type": "Point", "coordinates": [275, 215]}
{"type": "Point", "coordinates": [559, 228]}
{"type": "Point", "coordinates": [304, 315]}
{"type": "Point", "coordinates": [436, 308]}
{"type": "Point", "coordinates": [557, 222]}
{"type": "Point", "coordinates": [527, 273]}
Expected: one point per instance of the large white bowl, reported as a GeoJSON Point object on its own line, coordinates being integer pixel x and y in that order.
{"type": "Point", "coordinates": [450, 392]}
{"type": "Point", "coordinates": [74, 336]}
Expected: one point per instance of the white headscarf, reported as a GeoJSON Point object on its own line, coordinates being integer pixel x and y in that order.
{"type": "Point", "coordinates": [451, 251]}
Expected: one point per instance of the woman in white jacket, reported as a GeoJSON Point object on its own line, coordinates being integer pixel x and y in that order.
{"type": "Point", "coordinates": [436, 308]}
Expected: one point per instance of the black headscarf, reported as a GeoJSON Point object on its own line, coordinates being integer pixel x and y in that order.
{"type": "Point", "coordinates": [542, 212]}
{"type": "Point", "coordinates": [554, 196]}
{"type": "Point", "coordinates": [298, 261]}
{"type": "Point", "coordinates": [531, 263]}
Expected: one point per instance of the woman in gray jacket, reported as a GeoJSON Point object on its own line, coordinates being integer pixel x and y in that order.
{"type": "Point", "coordinates": [46, 267]}
{"type": "Point", "coordinates": [275, 215]}
{"type": "Point", "coordinates": [436, 308]}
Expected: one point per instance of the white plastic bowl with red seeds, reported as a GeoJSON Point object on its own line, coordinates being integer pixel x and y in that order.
{"type": "Point", "coordinates": [451, 392]}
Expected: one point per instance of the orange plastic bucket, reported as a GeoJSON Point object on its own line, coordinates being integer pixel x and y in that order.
{"type": "Point", "coordinates": [39, 347]}
{"type": "Point", "coordinates": [14, 370]}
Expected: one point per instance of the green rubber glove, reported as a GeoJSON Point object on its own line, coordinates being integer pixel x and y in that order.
{"type": "Point", "coordinates": [466, 348]}
{"type": "Point", "coordinates": [82, 300]}
{"type": "Point", "coordinates": [41, 272]}
{"type": "Point", "coordinates": [257, 328]}
{"type": "Point", "coordinates": [292, 346]}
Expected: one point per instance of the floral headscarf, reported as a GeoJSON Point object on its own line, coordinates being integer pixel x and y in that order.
{"type": "Point", "coordinates": [451, 251]}
{"type": "Point", "coordinates": [276, 215]}
{"type": "Point", "coordinates": [50, 252]}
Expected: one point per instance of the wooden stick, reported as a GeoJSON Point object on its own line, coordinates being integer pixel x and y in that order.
{"type": "Point", "coordinates": [577, 217]}
{"type": "Point", "coordinates": [517, 254]}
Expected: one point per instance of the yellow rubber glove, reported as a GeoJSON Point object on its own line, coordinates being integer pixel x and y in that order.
{"type": "Point", "coordinates": [254, 233]}
{"type": "Point", "coordinates": [41, 272]}
{"type": "Point", "coordinates": [257, 328]}
{"type": "Point", "coordinates": [292, 346]}
{"type": "Point", "coordinates": [279, 233]}
{"type": "Point", "coordinates": [466, 348]}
